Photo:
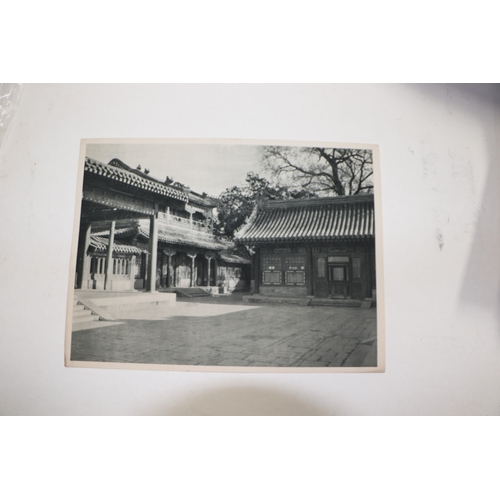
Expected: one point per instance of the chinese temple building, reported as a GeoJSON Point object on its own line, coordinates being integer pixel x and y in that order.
{"type": "Point", "coordinates": [138, 233]}
{"type": "Point", "coordinates": [318, 247]}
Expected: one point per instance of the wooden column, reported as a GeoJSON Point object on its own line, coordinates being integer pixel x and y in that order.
{"type": "Point", "coordinates": [257, 276]}
{"type": "Point", "coordinates": [216, 271]}
{"type": "Point", "coordinates": [309, 269]}
{"type": "Point", "coordinates": [164, 270]}
{"type": "Point", "coordinates": [209, 259]}
{"type": "Point", "coordinates": [192, 256]}
{"type": "Point", "coordinates": [86, 259]}
{"type": "Point", "coordinates": [153, 251]}
{"type": "Point", "coordinates": [168, 281]}
{"type": "Point", "coordinates": [109, 258]}
{"type": "Point", "coordinates": [174, 273]}
{"type": "Point", "coordinates": [132, 272]}
{"type": "Point", "coordinates": [145, 268]}
{"type": "Point", "coordinates": [170, 277]}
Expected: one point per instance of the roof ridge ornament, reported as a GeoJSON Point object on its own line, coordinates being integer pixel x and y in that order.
{"type": "Point", "coordinates": [118, 171]}
{"type": "Point", "coordinates": [248, 221]}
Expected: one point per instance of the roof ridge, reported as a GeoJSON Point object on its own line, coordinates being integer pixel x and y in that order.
{"type": "Point", "coordinates": [137, 179]}
{"type": "Point", "coordinates": [348, 218]}
{"type": "Point", "coordinates": [326, 200]}
{"type": "Point", "coordinates": [204, 198]}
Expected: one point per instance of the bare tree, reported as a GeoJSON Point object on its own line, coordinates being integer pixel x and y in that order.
{"type": "Point", "coordinates": [327, 171]}
{"type": "Point", "coordinates": [236, 203]}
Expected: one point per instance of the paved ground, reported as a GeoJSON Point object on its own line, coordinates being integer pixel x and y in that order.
{"type": "Point", "coordinates": [220, 331]}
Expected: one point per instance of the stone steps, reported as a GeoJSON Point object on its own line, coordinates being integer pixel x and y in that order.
{"type": "Point", "coordinates": [192, 292]}
{"type": "Point", "coordinates": [82, 318]}
{"type": "Point", "coordinates": [82, 313]}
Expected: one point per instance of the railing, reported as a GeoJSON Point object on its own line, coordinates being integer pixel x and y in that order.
{"type": "Point", "coordinates": [175, 220]}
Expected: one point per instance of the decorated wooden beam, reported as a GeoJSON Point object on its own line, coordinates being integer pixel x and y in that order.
{"type": "Point", "coordinates": [96, 216]}
{"type": "Point", "coordinates": [118, 201]}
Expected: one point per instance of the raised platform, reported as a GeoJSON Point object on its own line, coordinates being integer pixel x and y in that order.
{"type": "Point", "coordinates": [118, 305]}
{"type": "Point", "coordinates": [308, 301]}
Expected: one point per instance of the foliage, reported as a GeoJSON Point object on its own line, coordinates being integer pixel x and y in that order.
{"type": "Point", "coordinates": [326, 171]}
{"type": "Point", "coordinates": [237, 203]}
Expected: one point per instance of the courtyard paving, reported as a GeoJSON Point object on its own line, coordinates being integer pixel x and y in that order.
{"type": "Point", "coordinates": [221, 331]}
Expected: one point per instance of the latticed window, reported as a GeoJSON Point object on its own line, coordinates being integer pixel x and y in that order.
{"type": "Point", "coordinates": [271, 263]}
{"type": "Point", "coordinates": [338, 260]}
{"type": "Point", "coordinates": [271, 270]}
{"type": "Point", "coordinates": [271, 277]}
{"type": "Point", "coordinates": [283, 269]}
{"type": "Point", "coordinates": [295, 262]}
{"type": "Point", "coordinates": [295, 278]}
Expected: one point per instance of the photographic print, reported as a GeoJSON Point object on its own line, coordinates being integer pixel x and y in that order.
{"type": "Point", "coordinates": [226, 255]}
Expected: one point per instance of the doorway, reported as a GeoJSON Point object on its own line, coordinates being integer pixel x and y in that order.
{"type": "Point", "coordinates": [338, 276]}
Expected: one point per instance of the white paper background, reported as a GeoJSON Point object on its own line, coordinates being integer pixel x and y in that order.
{"type": "Point", "coordinates": [439, 162]}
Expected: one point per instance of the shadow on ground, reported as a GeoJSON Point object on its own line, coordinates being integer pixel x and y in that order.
{"type": "Point", "coordinates": [242, 401]}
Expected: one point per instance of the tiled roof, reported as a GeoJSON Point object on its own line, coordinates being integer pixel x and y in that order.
{"type": "Point", "coordinates": [100, 244]}
{"type": "Point", "coordinates": [123, 232]}
{"type": "Point", "coordinates": [129, 177]}
{"type": "Point", "coordinates": [313, 220]}
{"type": "Point", "coordinates": [202, 200]}
{"type": "Point", "coordinates": [233, 259]}
{"type": "Point", "coordinates": [168, 233]}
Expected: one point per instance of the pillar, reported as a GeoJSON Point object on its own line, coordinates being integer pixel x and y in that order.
{"type": "Point", "coordinates": [192, 256]}
{"type": "Point", "coordinates": [170, 254]}
{"type": "Point", "coordinates": [145, 267]}
{"type": "Point", "coordinates": [256, 267]}
{"type": "Point", "coordinates": [209, 259]}
{"type": "Point", "coordinates": [216, 271]}
{"type": "Point", "coordinates": [309, 269]}
{"type": "Point", "coordinates": [109, 258]}
{"type": "Point", "coordinates": [153, 251]}
{"type": "Point", "coordinates": [84, 280]}
{"type": "Point", "coordinates": [163, 270]}
{"type": "Point", "coordinates": [132, 272]}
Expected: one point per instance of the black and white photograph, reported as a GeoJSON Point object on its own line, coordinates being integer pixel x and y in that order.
{"type": "Point", "coordinates": [226, 255]}
{"type": "Point", "coordinates": [184, 250]}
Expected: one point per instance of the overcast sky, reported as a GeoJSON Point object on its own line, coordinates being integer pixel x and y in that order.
{"type": "Point", "coordinates": [209, 168]}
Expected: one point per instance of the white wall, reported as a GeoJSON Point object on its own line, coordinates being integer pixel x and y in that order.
{"type": "Point", "coordinates": [440, 185]}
